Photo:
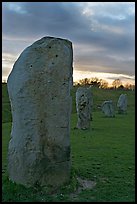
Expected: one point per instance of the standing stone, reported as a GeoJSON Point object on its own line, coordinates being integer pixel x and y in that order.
{"type": "Point", "coordinates": [83, 108]}
{"type": "Point", "coordinates": [90, 95]}
{"type": "Point", "coordinates": [39, 90]}
{"type": "Point", "coordinates": [122, 104]}
{"type": "Point", "coordinates": [108, 108]}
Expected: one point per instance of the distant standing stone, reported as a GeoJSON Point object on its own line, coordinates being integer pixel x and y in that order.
{"type": "Point", "coordinates": [90, 95]}
{"type": "Point", "coordinates": [83, 108]}
{"type": "Point", "coordinates": [122, 104]}
{"type": "Point", "coordinates": [108, 108]}
{"type": "Point", "coordinates": [39, 90]}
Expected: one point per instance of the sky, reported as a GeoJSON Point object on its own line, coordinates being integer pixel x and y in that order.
{"type": "Point", "coordinates": [102, 35]}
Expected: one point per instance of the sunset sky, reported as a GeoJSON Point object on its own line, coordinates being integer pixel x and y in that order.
{"type": "Point", "coordinates": [102, 34]}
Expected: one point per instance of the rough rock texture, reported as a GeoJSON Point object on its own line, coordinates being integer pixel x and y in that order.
{"type": "Point", "coordinates": [122, 104]}
{"type": "Point", "coordinates": [83, 108]}
{"type": "Point", "coordinates": [108, 108]}
{"type": "Point", "coordinates": [90, 95]}
{"type": "Point", "coordinates": [39, 90]}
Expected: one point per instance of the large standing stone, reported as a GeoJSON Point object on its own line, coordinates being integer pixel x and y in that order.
{"type": "Point", "coordinates": [90, 96]}
{"type": "Point", "coordinates": [122, 104]}
{"type": "Point", "coordinates": [83, 108]}
{"type": "Point", "coordinates": [39, 90]}
{"type": "Point", "coordinates": [108, 108]}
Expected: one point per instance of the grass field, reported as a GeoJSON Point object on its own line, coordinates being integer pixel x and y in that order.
{"type": "Point", "coordinates": [105, 154]}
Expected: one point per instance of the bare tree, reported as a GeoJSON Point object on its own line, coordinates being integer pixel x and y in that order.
{"type": "Point", "coordinates": [95, 82]}
{"type": "Point", "coordinates": [129, 86]}
{"type": "Point", "coordinates": [103, 84]}
{"type": "Point", "coordinates": [116, 83]}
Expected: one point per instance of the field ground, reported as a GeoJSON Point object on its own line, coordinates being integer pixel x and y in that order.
{"type": "Point", "coordinates": [105, 155]}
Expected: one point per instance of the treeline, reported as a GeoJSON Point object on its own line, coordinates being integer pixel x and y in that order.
{"type": "Point", "coordinates": [103, 84]}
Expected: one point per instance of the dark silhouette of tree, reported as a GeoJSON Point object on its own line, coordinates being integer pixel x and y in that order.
{"type": "Point", "coordinates": [84, 81]}
{"type": "Point", "coordinates": [129, 86]}
{"type": "Point", "coordinates": [121, 87]}
{"type": "Point", "coordinates": [116, 83]}
{"type": "Point", "coordinates": [95, 82]}
{"type": "Point", "coordinates": [103, 84]}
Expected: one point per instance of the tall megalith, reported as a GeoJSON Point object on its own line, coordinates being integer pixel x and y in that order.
{"type": "Point", "coordinates": [39, 91]}
{"type": "Point", "coordinates": [83, 108]}
{"type": "Point", "coordinates": [90, 96]}
{"type": "Point", "coordinates": [122, 104]}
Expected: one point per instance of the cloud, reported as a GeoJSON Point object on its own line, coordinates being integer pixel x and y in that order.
{"type": "Point", "coordinates": [7, 60]}
{"type": "Point", "coordinates": [40, 19]}
{"type": "Point", "coordinates": [103, 34]}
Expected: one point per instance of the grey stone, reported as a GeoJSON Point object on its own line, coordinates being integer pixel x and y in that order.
{"type": "Point", "coordinates": [39, 91]}
{"type": "Point", "coordinates": [83, 108]}
{"type": "Point", "coordinates": [122, 104]}
{"type": "Point", "coordinates": [90, 95]}
{"type": "Point", "coordinates": [108, 108]}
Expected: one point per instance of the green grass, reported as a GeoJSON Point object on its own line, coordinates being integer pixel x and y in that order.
{"type": "Point", "coordinates": [6, 128]}
{"type": "Point", "coordinates": [104, 154]}
{"type": "Point", "coordinates": [6, 109]}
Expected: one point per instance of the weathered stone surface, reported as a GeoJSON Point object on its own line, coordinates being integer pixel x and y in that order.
{"type": "Point", "coordinates": [122, 104]}
{"type": "Point", "coordinates": [39, 90]}
{"type": "Point", "coordinates": [90, 96]}
{"type": "Point", "coordinates": [83, 108]}
{"type": "Point", "coordinates": [108, 108]}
